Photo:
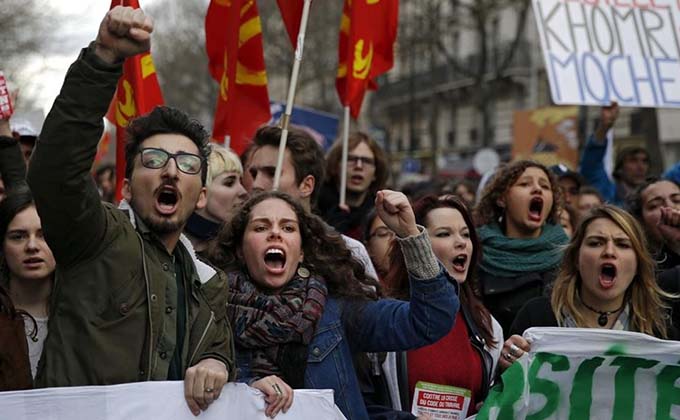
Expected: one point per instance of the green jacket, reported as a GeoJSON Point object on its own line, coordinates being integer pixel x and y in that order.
{"type": "Point", "coordinates": [111, 320]}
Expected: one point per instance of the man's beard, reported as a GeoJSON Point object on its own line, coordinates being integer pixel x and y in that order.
{"type": "Point", "coordinates": [163, 226]}
{"type": "Point", "coordinates": [158, 224]}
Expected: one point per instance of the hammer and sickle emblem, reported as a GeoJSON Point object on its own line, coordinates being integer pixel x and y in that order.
{"type": "Point", "coordinates": [127, 109]}
{"type": "Point", "coordinates": [362, 63]}
{"type": "Point", "coordinates": [372, 1]}
{"type": "Point", "coordinates": [224, 82]}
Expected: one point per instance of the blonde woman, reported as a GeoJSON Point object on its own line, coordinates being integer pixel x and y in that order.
{"type": "Point", "coordinates": [606, 280]}
{"type": "Point", "coordinates": [225, 192]}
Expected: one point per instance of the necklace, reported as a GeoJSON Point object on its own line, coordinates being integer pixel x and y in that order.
{"type": "Point", "coordinates": [603, 319]}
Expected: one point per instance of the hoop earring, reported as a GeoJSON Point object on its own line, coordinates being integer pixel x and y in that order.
{"type": "Point", "coordinates": [303, 272]}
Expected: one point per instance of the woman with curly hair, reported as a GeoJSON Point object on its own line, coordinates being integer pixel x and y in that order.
{"type": "Point", "coordinates": [606, 280]}
{"type": "Point", "coordinates": [468, 355]}
{"type": "Point", "coordinates": [300, 305]}
{"type": "Point", "coordinates": [521, 237]}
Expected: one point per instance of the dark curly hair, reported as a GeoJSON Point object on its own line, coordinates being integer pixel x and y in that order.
{"type": "Point", "coordinates": [397, 282]}
{"type": "Point", "coordinates": [165, 120]}
{"type": "Point", "coordinates": [488, 210]}
{"type": "Point", "coordinates": [324, 249]}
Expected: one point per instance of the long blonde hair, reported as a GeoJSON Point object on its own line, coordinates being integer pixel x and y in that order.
{"type": "Point", "coordinates": [647, 307]}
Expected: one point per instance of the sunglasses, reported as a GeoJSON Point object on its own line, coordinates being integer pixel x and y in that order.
{"type": "Point", "coordinates": [188, 163]}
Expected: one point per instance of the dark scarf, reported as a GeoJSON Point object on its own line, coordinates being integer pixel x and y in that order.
{"type": "Point", "coordinates": [201, 228]}
{"type": "Point", "coordinates": [509, 257]}
{"type": "Point", "coordinates": [276, 328]}
{"type": "Point", "coordinates": [342, 221]}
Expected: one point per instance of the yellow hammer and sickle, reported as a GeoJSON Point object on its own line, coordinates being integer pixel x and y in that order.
{"type": "Point", "coordinates": [147, 66]}
{"type": "Point", "coordinates": [362, 63]}
{"type": "Point", "coordinates": [224, 82]}
{"type": "Point", "coordinates": [248, 30]}
{"type": "Point", "coordinates": [125, 111]}
{"type": "Point", "coordinates": [372, 1]}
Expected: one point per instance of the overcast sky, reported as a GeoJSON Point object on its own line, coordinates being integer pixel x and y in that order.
{"type": "Point", "coordinates": [81, 22]}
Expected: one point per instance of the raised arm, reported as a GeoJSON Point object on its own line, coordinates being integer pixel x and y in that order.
{"type": "Point", "coordinates": [67, 200]}
{"type": "Point", "coordinates": [592, 165]}
{"type": "Point", "coordinates": [390, 325]}
{"type": "Point", "coordinates": [12, 166]}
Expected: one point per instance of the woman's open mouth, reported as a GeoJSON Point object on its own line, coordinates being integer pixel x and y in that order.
{"type": "Point", "coordinates": [536, 209]}
{"type": "Point", "coordinates": [460, 263]}
{"type": "Point", "coordinates": [167, 199]}
{"type": "Point", "coordinates": [607, 276]}
{"type": "Point", "coordinates": [275, 260]}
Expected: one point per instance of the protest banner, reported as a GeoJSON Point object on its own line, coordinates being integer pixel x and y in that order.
{"type": "Point", "coordinates": [156, 400]}
{"type": "Point", "coordinates": [589, 373]}
{"type": "Point", "coordinates": [600, 51]}
{"type": "Point", "coordinates": [548, 135]}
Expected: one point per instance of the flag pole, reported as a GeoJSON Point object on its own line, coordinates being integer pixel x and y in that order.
{"type": "Point", "coordinates": [345, 152]}
{"type": "Point", "coordinates": [285, 120]}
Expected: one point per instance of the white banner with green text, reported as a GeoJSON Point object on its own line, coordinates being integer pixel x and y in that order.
{"type": "Point", "coordinates": [577, 373]}
{"type": "Point", "coordinates": [157, 400]}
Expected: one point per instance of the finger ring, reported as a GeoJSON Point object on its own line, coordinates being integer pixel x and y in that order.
{"type": "Point", "coordinates": [514, 350]}
{"type": "Point", "coordinates": [277, 389]}
{"type": "Point", "coordinates": [508, 357]}
{"type": "Point", "coordinates": [208, 390]}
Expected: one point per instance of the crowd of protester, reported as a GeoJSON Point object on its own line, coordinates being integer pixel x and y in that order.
{"type": "Point", "coordinates": [203, 273]}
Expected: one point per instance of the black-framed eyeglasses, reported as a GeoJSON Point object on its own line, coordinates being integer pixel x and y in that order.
{"type": "Point", "coordinates": [354, 159]}
{"type": "Point", "coordinates": [188, 163]}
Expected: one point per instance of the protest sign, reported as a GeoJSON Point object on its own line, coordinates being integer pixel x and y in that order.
{"type": "Point", "coordinates": [600, 51]}
{"type": "Point", "coordinates": [156, 400]}
{"type": "Point", "coordinates": [576, 373]}
{"type": "Point", "coordinates": [440, 402]}
{"type": "Point", "coordinates": [548, 135]}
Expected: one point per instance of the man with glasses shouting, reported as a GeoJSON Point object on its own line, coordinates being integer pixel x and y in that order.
{"type": "Point", "coordinates": [131, 302]}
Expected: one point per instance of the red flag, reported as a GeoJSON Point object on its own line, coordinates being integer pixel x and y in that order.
{"type": "Point", "coordinates": [291, 12]}
{"type": "Point", "coordinates": [137, 93]}
{"type": "Point", "coordinates": [233, 34]}
{"type": "Point", "coordinates": [368, 30]}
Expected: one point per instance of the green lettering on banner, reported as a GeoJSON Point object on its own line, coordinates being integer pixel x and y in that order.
{"type": "Point", "coordinates": [505, 394]}
{"type": "Point", "coordinates": [616, 350]}
{"type": "Point", "coordinates": [545, 387]}
{"type": "Point", "coordinates": [581, 397]}
{"type": "Point", "coordinates": [667, 394]}
{"type": "Point", "coordinates": [624, 385]}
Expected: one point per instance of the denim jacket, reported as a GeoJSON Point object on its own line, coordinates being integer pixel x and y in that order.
{"type": "Point", "coordinates": [383, 325]}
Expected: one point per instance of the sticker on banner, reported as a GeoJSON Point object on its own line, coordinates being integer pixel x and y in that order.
{"type": "Point", "coordinates": [440, 402]}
